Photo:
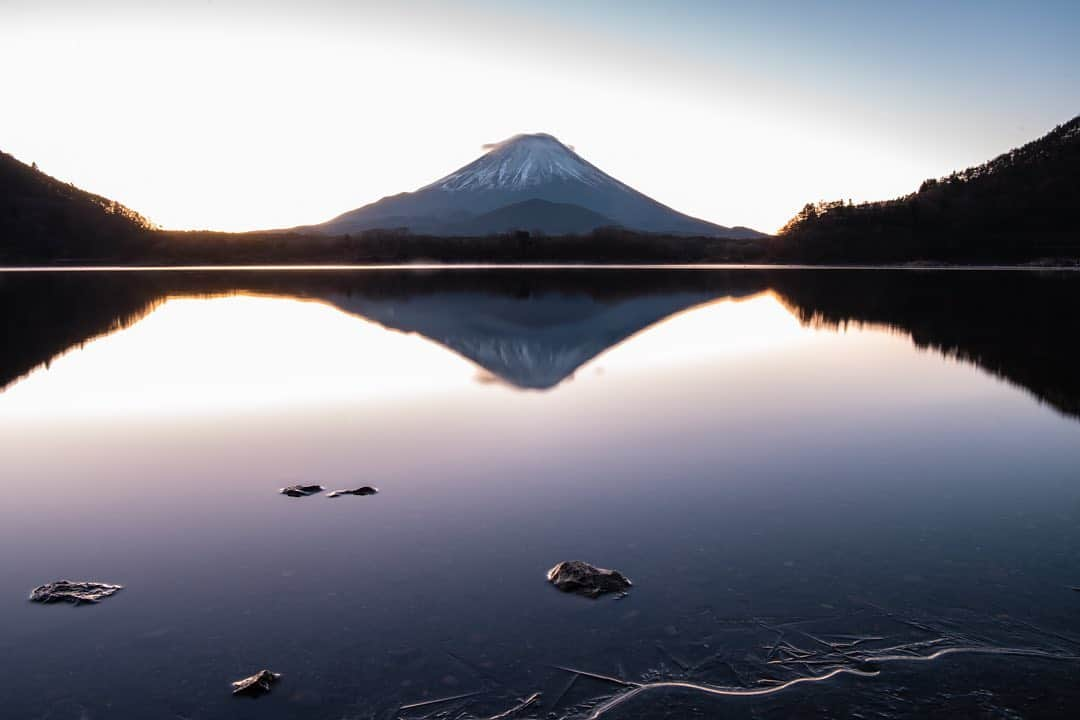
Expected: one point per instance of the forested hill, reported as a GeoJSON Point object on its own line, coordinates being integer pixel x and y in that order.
{"type": "Point", "coordinates": [1021, 206]}
{"type": "Point", "coordinates": [42, 218]}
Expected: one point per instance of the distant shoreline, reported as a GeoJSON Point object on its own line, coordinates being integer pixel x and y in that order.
{"type": "Point", "coordinates": [434, 267]}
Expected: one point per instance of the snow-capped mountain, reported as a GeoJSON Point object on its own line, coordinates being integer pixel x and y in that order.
{"type": "Point", "coordinates": [486, 195]}
{"type": "Point", "coordinates": [523, 162]}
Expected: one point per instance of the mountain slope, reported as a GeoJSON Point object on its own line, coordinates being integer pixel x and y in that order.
{"type": "Point", "coordinates": [524, 167]}
{"type": "Point", "coordinates": [533, 215]}
{"type": "Point", "coordinates": [41, 217]}
{"type": "Point", "coordinates": [1022, 205]}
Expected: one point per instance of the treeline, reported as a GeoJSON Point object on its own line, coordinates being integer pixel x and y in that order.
{"type": "Point", "coordinates": [42, 219]}
{"type": "Point", "coordinates": [378, 247]}
{"type": "Point", "coordinates": [1021, 206]}
{"type": "Point", "coordinates": [604, 245]}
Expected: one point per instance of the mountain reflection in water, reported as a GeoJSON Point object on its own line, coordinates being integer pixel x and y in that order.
{"type": "Point", "coordinates": [827, 502]}
{"type": "Point", "coordinates": [532, 329]}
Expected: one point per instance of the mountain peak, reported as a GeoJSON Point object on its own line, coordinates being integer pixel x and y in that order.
{"type": "Point", "coordinates": [524, 161]}
{"type": "Point", "coordinates": [527, 139]}
{"type": "Point", "coordinates": [494, 191]}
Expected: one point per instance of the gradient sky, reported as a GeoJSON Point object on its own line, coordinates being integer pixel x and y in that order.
{"type": "Point", "coordinates": [236, 115]}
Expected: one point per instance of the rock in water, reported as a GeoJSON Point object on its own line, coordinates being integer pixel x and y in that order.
{"type": "Point", "coordinates": [584, 579]}
{"type": "Point", "coordinates": [257, 684]}
{"type": "Point", "coordinates": [73, 591]}
{"type": "Point", "coordinates": [366, 490]}
{"type": "Point", "coordinates": [301, 490]}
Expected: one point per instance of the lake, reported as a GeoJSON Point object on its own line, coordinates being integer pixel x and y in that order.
{"type": "Point", "coordinates": [836, 492]}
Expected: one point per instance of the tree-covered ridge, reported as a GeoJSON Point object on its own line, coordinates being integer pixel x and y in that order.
{"type": "Point", "coordinates": [42, 217]}
{"type": "Point", "coordinates": [27, 182]}
{"type": "Point", "coordinates": [1022, 205]}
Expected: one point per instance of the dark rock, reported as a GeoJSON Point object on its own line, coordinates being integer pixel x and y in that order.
{"type": "Point", "coordinates": [584, 579]}
{"type": "Point", "coordinates": [301, 490]}
{"type": "Point", "coordinates": [366, 490]}
{"type": "Point", "coordinates": [72, 591]}
{"type": "Point", "coordinates": [257, 684]}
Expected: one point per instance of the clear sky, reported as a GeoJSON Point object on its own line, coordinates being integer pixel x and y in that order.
{"type": "Point", "coordinates": [236, 115]}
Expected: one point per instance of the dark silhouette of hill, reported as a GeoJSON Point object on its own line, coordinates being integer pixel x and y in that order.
{"type": "Point", "coordinates": [1014, 325]}
{"type": "Point", "coordinates": [42, 218]}
{"type": "Point", "coordinates": [1021, 206]}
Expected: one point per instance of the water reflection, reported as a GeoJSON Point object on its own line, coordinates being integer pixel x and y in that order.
{"type": "Point", "coordinates": [792, 493]}
{"type": "Point", "coordinates": [535, 329]}
{"type": "Point", "coordinates": [528, 341]}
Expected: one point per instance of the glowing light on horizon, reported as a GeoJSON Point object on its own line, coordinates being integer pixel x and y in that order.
{"type": "Point", "coordinates": [245, 118]}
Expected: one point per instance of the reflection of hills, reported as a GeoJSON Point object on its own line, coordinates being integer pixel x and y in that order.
{"type": "Point", "coordinates": [530, 329]}
{"type": "Point", "coordinates": [534, 328]}
{"type": "Point", "coordinates": [44, 315]}
{"type": "Point", "coordinates": [1021, 326]}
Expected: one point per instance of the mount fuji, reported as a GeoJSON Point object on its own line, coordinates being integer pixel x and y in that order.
{"type": "Point", "coordinates": [527, 182]}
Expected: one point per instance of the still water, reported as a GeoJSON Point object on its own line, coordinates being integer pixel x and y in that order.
{"type": "Point", "coordinates": [871, 477]}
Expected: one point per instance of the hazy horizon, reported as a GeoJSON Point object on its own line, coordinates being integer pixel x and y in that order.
{"type": "Point", "coordinates": [241, 115]}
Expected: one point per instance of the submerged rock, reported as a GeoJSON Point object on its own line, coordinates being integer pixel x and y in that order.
{"type": "Point", "coordinates": [301, 490]}
{"type": "Point", "coordinates": [73, 591]}
{"type": "Point", "coordinates": [257, 684]}
{"type": "Point", "coordinates": [584, 579]}
{"type": "Point", "coordinates": [366, 490]}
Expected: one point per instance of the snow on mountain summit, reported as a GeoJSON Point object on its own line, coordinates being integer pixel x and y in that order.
{"type": "Point", "coordinates": [524, 161]}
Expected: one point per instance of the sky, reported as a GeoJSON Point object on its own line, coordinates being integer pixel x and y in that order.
{"type": "Point", "coordinates": [245, 114]}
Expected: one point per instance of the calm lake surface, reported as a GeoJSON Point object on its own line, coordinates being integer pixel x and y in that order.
{"type": "Point", "coordinates": [866, 476]}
